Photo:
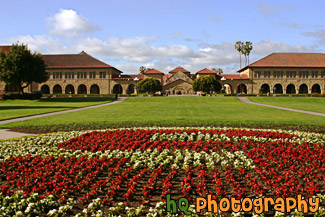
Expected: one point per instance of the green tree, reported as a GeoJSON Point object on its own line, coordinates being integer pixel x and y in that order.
{"type": "Point", "coordinates": [247, 48]}
{"type": "Point", "coordinates": [149, 85]}
{"type": "Point", "coordinates": [143, 69]}
{"type": "Point", "coordinates": [239, 47]}
{"type": "Point", "coordinates": [21, 67]}
{"type": "Point", "coordinates": [218, 70]}
{"type": "Point", "coordinates": [206, 84]}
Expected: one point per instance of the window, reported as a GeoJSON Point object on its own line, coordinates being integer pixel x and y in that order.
{"type": "Point", "coordinates": [323, 74]}
{"type": "Point", "coordinates": [104, 74]}
{"type": "Point", "coordinates": [60, 75]}
{"type": "Point", "coordinates": [85, 75]}
{"type": "Point", "coordinates": [92, 74]}
{"type": "Point", "coordinates": [72, 75]}
{"type": "Point", "coordinates": [53, 75]}
{"type": "Point", "coordinates": [65, 75]}
{"type": "Point", "coordinates": [78, 75]}
{"type": "Point", "coordinates": [314, 74]}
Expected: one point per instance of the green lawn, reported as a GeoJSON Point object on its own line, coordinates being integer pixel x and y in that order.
{"type": "Point", "coordinates": [19, 108]}
{"type": "Point", "coordinates": [177, 111]}
{"type": "Point", "coordinates": [314, 104]}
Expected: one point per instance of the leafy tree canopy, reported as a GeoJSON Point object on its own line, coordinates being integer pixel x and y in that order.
{"type": "Point", "coordinates": [218, 70]}
{"type": "Point", "coordinates": [143, 69]}
{"type": "Point", "coordinates": [21, 67]}
{"type": "Point", "coordinates": [149, 85]}
{"type": "Point", "coordinates": [206, 84]}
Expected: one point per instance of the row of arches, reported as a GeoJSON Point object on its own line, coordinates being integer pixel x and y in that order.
{"type": "Point", "coordinates": [118, 89]}
{"type": "Point", "coordinates": [290, 89]}
{"type": "Point", "coordinates": [277, 89]}
{"type": "Point", "coordinates": [69, 89]}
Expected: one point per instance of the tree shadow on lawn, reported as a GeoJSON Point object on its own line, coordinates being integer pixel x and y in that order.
{"type": "Point", "coordinates": [34, 107]}
{"type": "Point", "coordinates": [77, 99]}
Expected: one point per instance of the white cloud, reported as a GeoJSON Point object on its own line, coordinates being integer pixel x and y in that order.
{"type": "Point", "coordinates": [138, 49]}
{"type": "Point", "coordinates": [68, 23]}
{"type": "Point", "coordinates": [265, 47]}
{"type": "Point", "coordinates": [269, 10]}
{"type": "Point", "coordinates": [215, 18]}
{"type": "Point", "coordinates": [128, 54]}
{"type": "Point", "coordinates": [318, 34]}
{"type": "Point", "coordinates": [40, 43]}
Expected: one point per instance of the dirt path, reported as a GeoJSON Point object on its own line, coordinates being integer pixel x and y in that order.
{"type": "Point", "coordinates": [246, 100]}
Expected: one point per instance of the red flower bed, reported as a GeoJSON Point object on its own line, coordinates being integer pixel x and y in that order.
{"type": "Point", "coordinates": [281, 169]}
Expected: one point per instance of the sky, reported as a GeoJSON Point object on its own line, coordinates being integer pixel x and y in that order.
{"type": "Point", "coordinates": [164, 34]}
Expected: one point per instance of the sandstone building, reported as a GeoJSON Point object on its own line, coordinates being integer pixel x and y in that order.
{"type": "Point", "coordinates": [287, 73]}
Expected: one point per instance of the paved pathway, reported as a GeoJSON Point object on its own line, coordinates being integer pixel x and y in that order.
{"type": "Point", "coordinates": [246, 100]}
{"type": "Point", "coordinates": [6, 134]}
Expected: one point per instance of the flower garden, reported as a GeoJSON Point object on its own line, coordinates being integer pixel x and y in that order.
{"type": "Point", "coordinates": [129, 172]}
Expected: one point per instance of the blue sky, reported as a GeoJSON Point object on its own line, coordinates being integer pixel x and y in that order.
{"type": "Point", "coordinates": [165, 34]}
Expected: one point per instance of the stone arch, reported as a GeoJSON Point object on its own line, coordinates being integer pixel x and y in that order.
{"type": "Point", "coordinates": [11, 88]}
{"type": "Point", "coordinates": [265, 89]}
{"type": "Point", "coordinates": [130, 89]}
{"type": "Point", "coordinates": [242, 89]}
{"type": "Point", "coordinates": [69, 89]}
{"type": "Point", "coordinates": [45, 89]}
{"type": "Point", "coordinates": [228, 89]}
{"type": "Point", "coordinates": [316, 89]}
{"type": "Point", "coordinates": [82, 89]}
{"type": "Point", "coordinates": [291, 89]}
{"type": "Point", "coordinates": [57, 89]}
{"type": "Point", "coordinates": [278, 89]}
{"type": "Point", "coordinates": [94, 89]}
{"type": "Point", "coordinates": [303, 89]}
{"type": "Point", "coordinates": [190, 91]}
{"type": "Point", "coordinates": [179, 91]}
{"type": "Point", "coordinates": [117, 89]}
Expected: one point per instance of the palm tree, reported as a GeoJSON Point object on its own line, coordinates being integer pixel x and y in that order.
{"type": "Point", "coordinates": [239, 47]}
{"type": "Point", "coordinates": [247, 47]}
{"type": "Point", "coordinates": [218, 70]}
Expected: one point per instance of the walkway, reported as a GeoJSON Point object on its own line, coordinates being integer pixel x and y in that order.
{"type": "Point", "coordinates": [6, 134]}
{"type": "Point", "coordinates": [246, 100]}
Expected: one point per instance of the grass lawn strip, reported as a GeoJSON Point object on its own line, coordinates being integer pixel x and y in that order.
{"type": "Point", "coordinates": [10, 109]}
{"type": "Point", "coordinates": [314, 104]}
{"type": "Point", "coordinates": [171, 111]}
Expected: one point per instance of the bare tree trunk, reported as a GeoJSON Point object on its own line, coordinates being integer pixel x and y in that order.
{"type": "Point", "coordinates": [240, 59]}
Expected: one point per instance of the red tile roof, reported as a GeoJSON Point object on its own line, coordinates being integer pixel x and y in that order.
{"type": "Point", "coordinates": [153, 71]}
{"type": "Point", "coordinates": [290, 60]}
{"type": "Point", "coordinates": [206, 71]}
{"type": "Point", "coordinates": [81, 60]}
{"type": "Point", "coordinates": [5, 48]}
{"type": "Point", "coordinates": [179, 69]}
{"type": "Point", "coordinates": [233, 76]}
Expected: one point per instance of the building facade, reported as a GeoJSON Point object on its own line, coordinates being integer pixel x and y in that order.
{"type": "Point", "coordinates": [278, 73]}
{"type": "Point", "coordinates": [287, 73]}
